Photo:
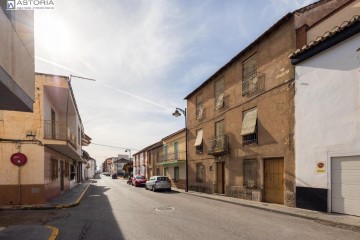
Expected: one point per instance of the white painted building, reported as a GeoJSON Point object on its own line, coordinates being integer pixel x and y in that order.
{"type": "Point", "coordinates": [327, 122]}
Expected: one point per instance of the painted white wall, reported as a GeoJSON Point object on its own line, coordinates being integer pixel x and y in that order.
{"type": "Point", "coordinates": [327, 110]}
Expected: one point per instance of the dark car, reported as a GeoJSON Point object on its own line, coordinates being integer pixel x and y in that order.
{"type": "Point", "coordinates": [139, 180]}
{"type": "Point", "coordinates": [114, 176]}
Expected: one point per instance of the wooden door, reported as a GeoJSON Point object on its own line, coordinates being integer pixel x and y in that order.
{"type": "Point", "coordinates": [274, 180]}
{"type": "Point", "coordinates": [220, 176]}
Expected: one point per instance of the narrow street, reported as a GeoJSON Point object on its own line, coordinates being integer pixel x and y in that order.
{"type": "Point", "coordinates": [111, 209]}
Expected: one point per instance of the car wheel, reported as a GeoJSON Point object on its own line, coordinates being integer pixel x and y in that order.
{"type": "Point", "coordinates": [146, 187]}
{"type": "Point", "coordinates": [153, 189]}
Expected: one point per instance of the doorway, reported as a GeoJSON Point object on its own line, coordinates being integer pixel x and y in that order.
{"type": "Point", "coordinates": [274, 180]}
{"type": "Point", "coordinates": [62, 173]}
{"type": "Point", "coordinates": [220, 177]}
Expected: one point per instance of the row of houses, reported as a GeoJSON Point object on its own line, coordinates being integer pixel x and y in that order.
{"type": "Point", "coordinates": [279, 122]}
{"type": "Point", "coordinates": [166, 157]}
{"type": "Point", "coordinates": [120, 165]}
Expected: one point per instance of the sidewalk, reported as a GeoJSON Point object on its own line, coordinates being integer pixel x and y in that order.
{"type": "Point", "coordinates": [70, 198]}
{"type": "Point", "coordinates": [330, 219]}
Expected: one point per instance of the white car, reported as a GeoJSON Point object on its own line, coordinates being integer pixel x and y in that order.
{"type": "Point", "coordinates": [158, 182]}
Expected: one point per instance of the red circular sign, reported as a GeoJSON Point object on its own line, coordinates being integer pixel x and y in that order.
{"type": "Point", "coordinates": [320, 165]}
{"type": "Point", "coordinates": [18, 159]}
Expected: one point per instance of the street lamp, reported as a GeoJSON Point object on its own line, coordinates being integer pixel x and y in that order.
{"type": "Point", "coordinates": [177, 113]}
{"type": "Point", "coordinates": [129, 151]}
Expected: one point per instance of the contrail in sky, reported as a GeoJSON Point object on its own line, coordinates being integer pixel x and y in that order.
{"type": "Point", "coordinates": [134, 96]}
{"type": "Point", "coordinates": [104, 84]}
{"type": "Point", "coordinates": [57, 65]}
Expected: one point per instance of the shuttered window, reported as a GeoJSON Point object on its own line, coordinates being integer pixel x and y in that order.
{"type": "Point", "coordinates": [219, 94]}
{"type": "Point", "coordinates": [249, 75]}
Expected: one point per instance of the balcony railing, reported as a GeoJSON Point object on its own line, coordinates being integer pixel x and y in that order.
{"type": "Point", "coordinates": [219, 145]}
{"type": "Point", "coordinates": [255, 84]}
{"type": "Point", "coordinates": [180, 155]}
{"type": "Point", "coordinates": [59, 131]}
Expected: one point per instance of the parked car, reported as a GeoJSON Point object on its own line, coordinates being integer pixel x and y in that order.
{"type": "Point", "coordinates": [158, 183]}
{"type": "Point", "coordinates": [139, 180]}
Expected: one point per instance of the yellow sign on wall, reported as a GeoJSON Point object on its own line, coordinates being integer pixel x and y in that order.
{"type": "Point", "coordinates": [320, 167]}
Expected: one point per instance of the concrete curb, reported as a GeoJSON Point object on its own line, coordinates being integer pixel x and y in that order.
{"type": "Point", "coordinates": [54, 232]}
{"type": "Point", "coordinates": [77, 202]}
{"type": "Point", "coordinates": [44, 207]}
{"type": "Point", "coordinates": [321, 220]}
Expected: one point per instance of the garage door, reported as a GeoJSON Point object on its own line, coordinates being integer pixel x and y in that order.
{"type": "Point", "coordinates": [345, 185]}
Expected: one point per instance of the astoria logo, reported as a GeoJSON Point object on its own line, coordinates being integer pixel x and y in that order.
{"type": "Point", "coordinates": [30, 4]}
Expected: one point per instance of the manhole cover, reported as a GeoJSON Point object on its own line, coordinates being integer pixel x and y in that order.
{"type": "Point", "coordinates": [165, 209]}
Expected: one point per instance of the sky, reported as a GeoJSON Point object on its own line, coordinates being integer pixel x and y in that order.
{"type": "Point", "coordinates": [146, 56]}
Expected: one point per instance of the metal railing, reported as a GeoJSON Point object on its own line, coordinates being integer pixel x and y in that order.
{"type": "Point", "coordinates": [219, 145]}
{"type": "Point", "coordinates": [254, 84]}
{"type": "Point", "coordinates": [59, 131]}
{"type": "Point", "coordinates": [179, 155]}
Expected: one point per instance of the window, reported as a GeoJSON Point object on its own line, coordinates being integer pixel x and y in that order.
{"type": "Point", "coordinates": [249, 129]}
{"type": "Point", "coordinates": [219, 135]}
{"type": "Point", "coordinates": [219, 94]}
{"type": "Point", "coordinates": [250, 173]}
{"type": "Point", "coordinates": [165, 152]}
{"type": "Point", "coordinates": [54, 169]}
{"type": "Point", "coordinates": [176, 150]}
{"type": "Point", "coordinates": [66, 169]}
{"type": "Point", "coordinates": [199, 172]}
{"type": "Point", "coordinates": [249, 79]}
{"type": "Point", "coordinates": [158, 171]}
{"type": "Point", "coordinates": [165, 171]}
{"type": "Point", "coordinates": [199, 141]}
{"type": "Point", "coordinates": [176, 173]}
{"type": "Point", "coordinates": [79, 136]}
{"type": "Point", "coordinates": [72, 172]}
{"type": "Point", "coordinates": [199, 107]}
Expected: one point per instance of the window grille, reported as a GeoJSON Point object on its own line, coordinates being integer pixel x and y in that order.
{"type": "Point", "coordinates": [66, 169]}
{"type": "Point", "coordinates": [198, 145]}
{"type": "Point", "coordinates": [249, 81]}
{"type": "Point", "coordinates": [199, 172]}
{"type": "Point", "coordinates": [219, 94]}
{"type": "Point", "coordinates": [250, 173]}
{"type": "Point", "coordinates": [199, 107]}
{"type": "Point", "coordinates": [54, 169]}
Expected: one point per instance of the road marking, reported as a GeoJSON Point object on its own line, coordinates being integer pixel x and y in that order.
{"type": "Point", "coordinates": [166, 208]}
{"type": "Point", "coordinates": [54, 232]}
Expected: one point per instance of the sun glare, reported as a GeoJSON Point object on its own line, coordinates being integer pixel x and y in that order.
{"type": "Point", "coordinates": [52, 33]}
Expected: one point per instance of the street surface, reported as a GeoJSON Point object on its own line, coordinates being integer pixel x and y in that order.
{"type": "Point", "coordinates": [111, 209]}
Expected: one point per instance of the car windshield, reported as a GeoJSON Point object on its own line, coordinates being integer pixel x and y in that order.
{"type": "Point", "coordinates": [162, 179]}
{"type": "Point", "coordinates": [140, 177]}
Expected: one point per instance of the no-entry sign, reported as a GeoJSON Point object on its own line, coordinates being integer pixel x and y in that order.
{"type": "Point", "coordinates": [18, 159]}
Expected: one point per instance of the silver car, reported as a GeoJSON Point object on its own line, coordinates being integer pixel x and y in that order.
{"type": "Point", "coordinates": [158, 182]}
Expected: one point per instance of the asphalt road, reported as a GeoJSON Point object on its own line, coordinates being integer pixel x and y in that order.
{"type": "Point", "coordinates": [112, 209]}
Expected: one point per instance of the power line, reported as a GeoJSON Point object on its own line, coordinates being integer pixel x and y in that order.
{"type": "Point", "coordinates": [103, 145]}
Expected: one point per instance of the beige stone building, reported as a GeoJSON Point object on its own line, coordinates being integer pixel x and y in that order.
{"type": "Point", "coordinates": [51, 138]}
{"type": "Point", "coordinates": [172, 158]}
{"type": "Point", "coordinates": [17, 67]}
{"type": "Point", "coordinates": [241, 119]}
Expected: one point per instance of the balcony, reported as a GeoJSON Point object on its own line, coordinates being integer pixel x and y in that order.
{"type": "Point", "coordinates": [219, 146]}
{"type": "Point", "coordinates": [172, 158]}
{"type": "Point", "coordinates": [59, 131]}
{"type": "Point", "coordinates": [254, 85]}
